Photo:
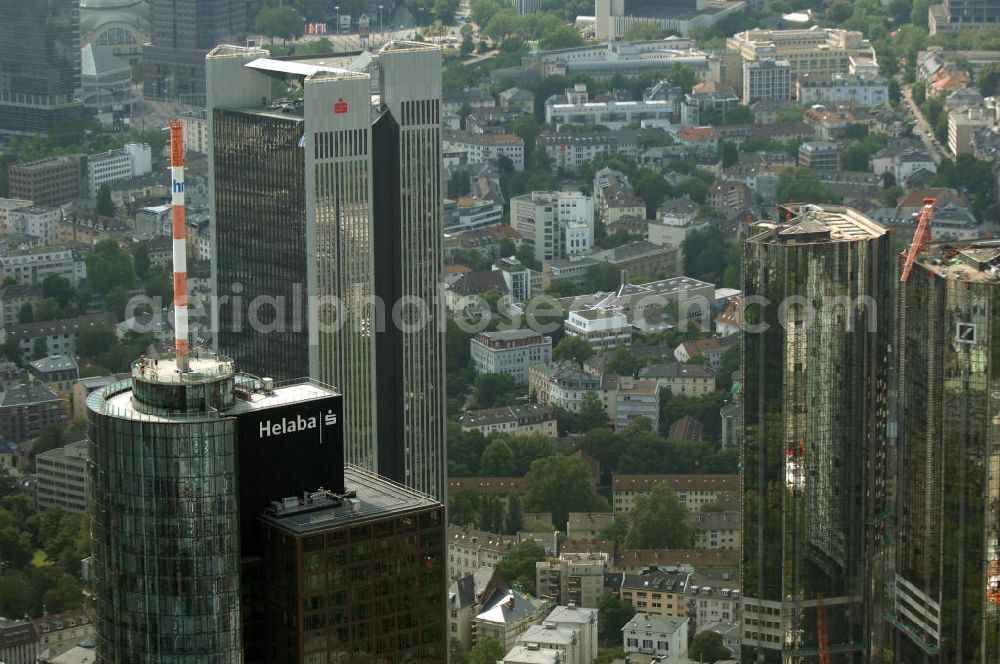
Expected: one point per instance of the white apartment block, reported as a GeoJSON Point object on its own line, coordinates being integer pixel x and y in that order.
{"type": "Point", "coordinates": [562, 385]}
{"type": "Point", "coordinates": [858, 90]}
{"type": "Point", "coordinates": [962, 125]}
{"type": "Point", "coordinates": [664, 637]}
{"type": "Point", "coordinates": [576, 578]}
{"type": "Point", "coordinates": [515, 420]}
{"type": "Point", "coordinates": [38, 221]}
{"type": "Point", "coordinates": [709, 602]}
{"type": "Point", "coordinates": [195, 133]}
{"type": "Point", "coordinates": [61, 478]}
{"type": "Point", "coordinates": [549, 638]}
{"type": "Point", "coordinates": [768, 80]}
{"type": "Point", "coordinates": [470, 213]}
{"type": "Point", "coordinates": [510, 352]}
{"type": "Point", "coordinates": [695, 491]}
{"type": "Point", "coordinates": [579, 238]}
{"type": "Point", "coordinates": [611, 114]}
{"type": "Point", "coordinates": [484, 148]}
{"type": "Point", "coordinates": [468, 550]}
{"type": "Point", "coordinates": [716, 529]}
{"type": "Point", "coordinates": [626, 399]}
{"type": "Point", "coordinates": [602, 328]}
{"type": "Point", "coordinates": [31, 266]}
{"type": "Point", "coordinates": [582, 619]}
{"type": "Point", "coordinates": [133, 160]}
{"type": "Point", "coordinates": [542, 217]}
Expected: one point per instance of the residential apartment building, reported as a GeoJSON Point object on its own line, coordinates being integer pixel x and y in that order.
{"type": "Point", "coordinates": [614, 197]}
{"type": "Point", "coordinates": [33, 265]}
{"type": "Point", "coordinates": [626, 399]}
{"type": "Point", "coordinates": [572, 578]}
{"type": "Point", "coordinates": [484, 148]}
{"type": "Point", "coordinates": [663, 637]}
{"type": "Point", "coordinates": [657, 590]}
{"type": "Point", "coordinates": [59, 371]}
{"type": "Point", "coordinates": [820, 155]}
{"type": "Point", "coordinates": [51, 181]}
{"type": "Point", "coordinates": [515, 420]}
{"type": "Point", "coordinates": [61, 478]}
{"type": "Point", "coordinates": [831, 471]}
{"type": "Point", "coordinates": [562, 385]}
{"type": "Point", "coordinates": [507, 615]}
{"type": "Point", "coordinates": [859, 90]}
{"type": "Point", "coordinates": [681, 379]}
{"type": "Point", "coordinates": [588, 525]}
{"type": "Point", "coordinates": [465, 599]}
{"type": "Point", "coordinates": [582, 619]}
{"type": "Point", "coordinates": [962, 125]}
{"type": "Point", "coordinates": [59, 335]}
{"type": "Point", "coordinates": [711, 600]}
{"type": "Point", "coordinates": [469, 550]}
{"type": "Point", "coordinates": [26, 410]}
{"type": "Point", "coordinates": [768, 79]}
{"type": "Point", "coordinates": [542, 218]}
{"type": "Point", "coordinates": [470, 213]}
{"type": "Point", "coordinates": [510, 352]}
{"type": "Point", "coordinates": [561, 644]}
{"type": "Point", "coordinates": [695, 491]}
{"type": "Point", "coordinates": [133, 160]}
{"type": "Point", "coordinates": [38, 221]}
{"type": "Point", "coordinates": [7, 207]}
{"type": "Point", "coordinates": [611, 114]}
{"type": "Point", "coordinates": [716, 529]}
{"type": "Point", "coordinates": [572, 150]}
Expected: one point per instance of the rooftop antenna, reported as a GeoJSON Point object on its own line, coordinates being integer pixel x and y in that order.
{"type": "Point", "coordinates": [179, 244]}
{"type": "Point", "coordinates": [921, 238]}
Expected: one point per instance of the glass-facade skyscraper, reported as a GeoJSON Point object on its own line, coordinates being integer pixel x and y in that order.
{"type": "Point", "coordinates": [181, 464]}
{"type": "Point", "coordinates": [39, 65]}
{"type": "Point", "coordinates": [183, 32]}
{"type": "Point", "coordinates": [818, 290]}
{"type": "Point", "coordinates": [368, 170]}
{"type": "Point", "coordinates": [947, 572]}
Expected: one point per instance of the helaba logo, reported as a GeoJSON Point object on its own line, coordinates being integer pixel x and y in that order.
{"type": "Point", "coordinates": [340, 106]}
{"type": "Point", "coordinates": [298, 423]}
{"type": "Point", "coordinates": [177, 186]}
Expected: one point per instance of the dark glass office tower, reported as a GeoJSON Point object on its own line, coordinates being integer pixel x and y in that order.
{"type": "Point", "coordinates": [181, 464]}
{"type": "Point", "coordinates": [260, 210]}
{"type": "Point", "coordinates": [947, 583]}
{"type": "Point", "coordinates": [183, 32]}
{"type": "Point", "coordinates": [370, 243]}
{"type": "Point", "coordinates": [358, 577]}
{"type": "Point", "coordinates": [39, 64]}
{"type": "Point", "coordinates": [972, 13]}
{"type": "Point", "coordinates": [818, 288]}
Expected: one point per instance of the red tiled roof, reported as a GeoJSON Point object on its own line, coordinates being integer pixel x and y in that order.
{"type": "Point", "coordinates": [691, 133]}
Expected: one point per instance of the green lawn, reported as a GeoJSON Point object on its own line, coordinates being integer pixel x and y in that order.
{"type": "Point", "coordinates": [40, 559]}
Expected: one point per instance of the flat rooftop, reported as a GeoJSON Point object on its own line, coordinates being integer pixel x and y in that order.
{"type": "Point", "coordinates": [816, 224]}
{"type": "Point", "coordinates": [376, 498]}
{"type": "Point", "coordinates": [975, 261]}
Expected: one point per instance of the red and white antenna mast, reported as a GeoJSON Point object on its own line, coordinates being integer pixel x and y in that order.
{"type": "Point", "coordinates": [179, 245]}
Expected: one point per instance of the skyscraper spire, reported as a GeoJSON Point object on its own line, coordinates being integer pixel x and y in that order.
{"type": "Point", "coordinates": [179, 247]}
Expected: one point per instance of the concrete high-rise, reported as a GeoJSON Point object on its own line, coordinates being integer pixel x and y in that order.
{"type": "Point", "coordinates": [183, 31]}
{"type": "Point", "coordinates": [947, 572]}
{"type": "Point", "coordinates": [327, 223]}
{"type": "Point", "coordinates": [39, 65]}
{"type": "Point", "coordinates": [819, 307]}
{"type": "Point", "coordinates": [182, 462]}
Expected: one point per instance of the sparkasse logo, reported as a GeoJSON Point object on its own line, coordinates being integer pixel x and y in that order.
{"type": "Point", "coordinates": [298, 423]}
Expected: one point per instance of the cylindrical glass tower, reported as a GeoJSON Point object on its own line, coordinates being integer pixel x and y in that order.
{"type": "Point", "coordinates": [165, 540]}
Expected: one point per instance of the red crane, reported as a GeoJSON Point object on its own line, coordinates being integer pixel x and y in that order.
{"type": "Point", "coordinates": [921, 238]}
{"type": "Point", "coordinates": [824, 652]}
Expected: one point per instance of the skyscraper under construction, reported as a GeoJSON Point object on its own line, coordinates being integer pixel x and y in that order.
{"type": "Point", "coordinates": [327, 227]}
{"type": "Point", "coordinates": [947, 572]}
{"type": "Point", "coordinates": [818, 291]}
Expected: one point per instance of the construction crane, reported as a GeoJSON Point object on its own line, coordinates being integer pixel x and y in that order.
{"type": "Point", "coordinates": [824, 651]}
{"type": "Point", "coordinates": [921, 238]}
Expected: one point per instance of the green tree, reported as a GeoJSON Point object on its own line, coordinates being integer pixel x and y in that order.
{"type": "Point", "coordinates": [602, 277]}
{"type": "Point", "coordinates": [283, 22]}
{"type": "Point", "coordinates": [488, 650]}
{"type": "Point", "coordinates": [643, 32]}
{"type": "Point", "coordinates": [988, 81]}
{"type": "Point", "coordinates": [26, 314]}
{"type": "Point", "coordinates": [623, 362]}
{"type": "Point", "coordinates": [51, 438]}
{"type": "Point", "coordinates": [514, 519]}
{"type": "Point", "coordinates": [659, 521]}
{"type": "Point", "coordinates": [109, 267]}
{"type": "Point", "coordinates": [39, 348]}
{"type": "Point", "coordinates": [104, 206]}
{"type": "Point", "coordinates": [492, 389]}
{"type": "Point", "coordinates": [802, 185]}
{"type": "Point", "coordinates": [652, 188]}
{"type": "Point", "coordinates": [497, 460]}
{"type": "Point", "coordinates": [564, 36]}
{"type": "Point", "coordinates": [94, 340]}
{"type": "Point", "coordinates": [463, 507]}
{"type": "Point", "coordinates": [892, 195]}
{"type": "Point", "coordinates": [7, 483]}
{"type": "Point", "coordinates": [574, 348]}
{"type": "Point", "coordinates": [682, 76]}
{"type": "Point", "coordinates": [58, 288]}
{"type": "Point", "coordinates": [140, 260]}
{"type": "Point", "coordinates": [518, 566]}
{"type": "Point", "coordinates": [47, 309]}
{"type": "Point", "coordinates": [616, 532]}
{"type": "Point", "coordinates": [591, 415]}
{"type": "Point", "coordinates": [459, 184]}
{"type": "Point", "coordinates": [560, 485]}
{"type": "Point", "coordinates": [615, 614]}
{"type": "Point", "coordinates": [707, 647]}
{"type": "Point", "coordinates": [728, 153]}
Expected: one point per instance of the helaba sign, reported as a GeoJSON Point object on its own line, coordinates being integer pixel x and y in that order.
{"type": "Point", "coordinates": [298, 423]}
